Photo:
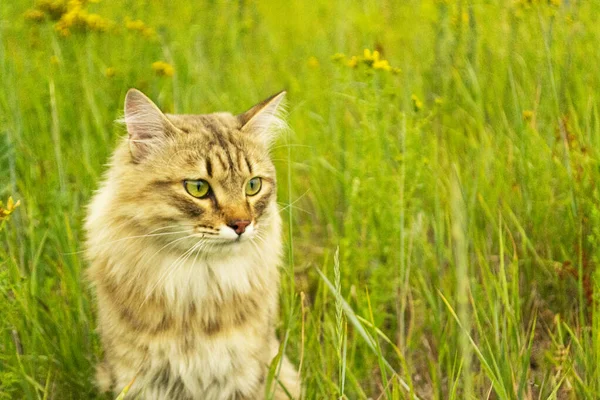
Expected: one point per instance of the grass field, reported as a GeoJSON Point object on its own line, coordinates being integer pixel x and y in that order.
{"type": "Point", "coordinates": [439, 188]}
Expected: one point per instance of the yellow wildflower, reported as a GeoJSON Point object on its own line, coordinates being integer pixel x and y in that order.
{"type": "Point", "coordinates": [163, 69]}
{"type": "Point", "coordinates": [527, 115]}
{"type": "Point", "coordinates": [11, 206]}
{"type": "Point", "coordinates": [139, 26]}
{"type": "Point", "coordinates": [371, 59]}
{"type": "Point", "coordinates": [74, 5]}
{"type": "Point", "coordinates": [439, 100]}
{"type": "Point", "coordinates": [73, 17]}
{"type": "Point", "coordinates": [96, 23]}
{"type": "Point", "coordinates": [417, 104]}
{"type": "Point", "coordinates": [77, 18]}
{"type": "Point", "coordinates": [382, 64]}
{"type": "Point", "coordinates": [313, 62]}
{"type": "Point", "coordinates": [54, 60]}
{"type": "Point", "coordinates": [110, 72]}
{"type": "Point", "coordinates": [352, 62]}
{"type": "Point", "coordinates": [55, 8]}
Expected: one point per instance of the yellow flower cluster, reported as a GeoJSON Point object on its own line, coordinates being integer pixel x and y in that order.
{"type": "Point", "coordinates": [163, 69]}
{"type": "Point", "coordinates": [54, 8]}
{"type": "Point", "coordinates": [77, 18]}
{"type": "Point", "coordinates": [139, 26]}
{"type": "Point", "coordinates": [9, 209]}
{"type": "Point", "coordinates": [70, 15]}
{"type": "Point", "coordinates": [370, 59]}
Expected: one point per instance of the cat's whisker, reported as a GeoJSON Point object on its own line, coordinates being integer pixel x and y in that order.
{"type": "Point", "coordinates": [189, 253]}
{"type": "Point", "coordinates": [288, 205]}
{"type": "Point", "coordinates": [293, 207]}
{"type": "Point", "coordinates": [194, 263]}
{"type": "Point", "coordinates": [258, 237]}
{"type": "Point", "coordinates": [150, 234]}
{"type": "Point", "coordinates": [291, 145]}
{"type": "Point", "coordinates": [257, 250]}
{"type": "Point", "coordinates": [168, 271]}
{"type": "Point", "coordinates": [196, 247]}
{"type": "Point", "coordinates": [171, 243]}
{"type": "Point", "coordinates": [146, 235]}
{"type": "Point", "coordinates": [169, 227]}
{"type": "Point", "coordinates": [165, 246]}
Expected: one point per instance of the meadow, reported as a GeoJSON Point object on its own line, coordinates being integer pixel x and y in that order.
{"type": "Point", "coordinates": [438, 183]}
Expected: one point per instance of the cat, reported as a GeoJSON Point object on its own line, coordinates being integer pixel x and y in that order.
{"type": "Point", "coordinates": [184, 243]}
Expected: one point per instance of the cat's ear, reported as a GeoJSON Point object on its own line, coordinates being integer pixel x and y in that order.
{"type": "Point", "coordinates": [265, 119]}
{"type": "Point", "coordinates": [146, 124]}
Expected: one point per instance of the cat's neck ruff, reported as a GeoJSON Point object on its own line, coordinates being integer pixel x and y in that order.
{"type": "Point", "coordinates": [215, 276]}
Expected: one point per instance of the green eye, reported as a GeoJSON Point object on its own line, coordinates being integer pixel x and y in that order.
{"type": "Point", "coordinates": [253, 186]}
{"type": "Point", "coordinates": [197, 188]}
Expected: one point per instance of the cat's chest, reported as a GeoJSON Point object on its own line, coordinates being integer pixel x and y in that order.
{"type": "Point", "coordinates": [214, 328]}
{"type": "Point", "coordinates": [209, 299]}
{"type": "Point", "coordinates": [203, 367]}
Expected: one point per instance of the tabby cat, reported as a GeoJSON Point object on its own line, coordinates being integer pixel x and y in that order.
{"type": "Point", "coordinates": [183, 238]}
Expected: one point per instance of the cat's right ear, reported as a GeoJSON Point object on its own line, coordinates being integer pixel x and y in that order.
{"type": "Point", "coordinates": [265, 119]}
{"type": "Point", "coordinates": [146, 124]}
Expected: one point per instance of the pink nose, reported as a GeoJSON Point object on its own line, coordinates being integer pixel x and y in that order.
{"type": "Point", "coordinates": [239, 225]}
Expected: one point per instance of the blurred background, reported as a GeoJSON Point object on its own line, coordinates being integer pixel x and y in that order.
{"type": "Point", "coordinates": [438, 184]}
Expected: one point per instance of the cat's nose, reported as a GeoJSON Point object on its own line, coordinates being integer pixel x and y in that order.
{"type": "Point", "coordinates": [239, 225]}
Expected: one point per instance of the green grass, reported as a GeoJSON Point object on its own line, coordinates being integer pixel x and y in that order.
{"type": "Point", "coordinates": [461, 192]}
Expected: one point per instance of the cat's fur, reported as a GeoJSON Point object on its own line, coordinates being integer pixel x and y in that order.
{"type": "Point", "coordinates": [183, 304]}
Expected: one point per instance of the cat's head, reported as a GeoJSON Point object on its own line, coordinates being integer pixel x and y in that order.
{"type": "Point", "coordinates": [205, 180]}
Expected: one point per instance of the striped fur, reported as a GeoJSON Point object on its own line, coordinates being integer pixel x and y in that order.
{"type": "Point", "coordinates": [186, 305]}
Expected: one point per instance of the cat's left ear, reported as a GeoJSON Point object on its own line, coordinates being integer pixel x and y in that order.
{"type": "Point", "coordinates": [147, 126]}
{"type": "Point", "coordinates": [265, 119]}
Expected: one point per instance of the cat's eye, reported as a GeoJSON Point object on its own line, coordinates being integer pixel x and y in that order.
{"type": "Point", "coordinates": [253, 186]}
{"type": "Point", "coordinates": [198, 188]}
